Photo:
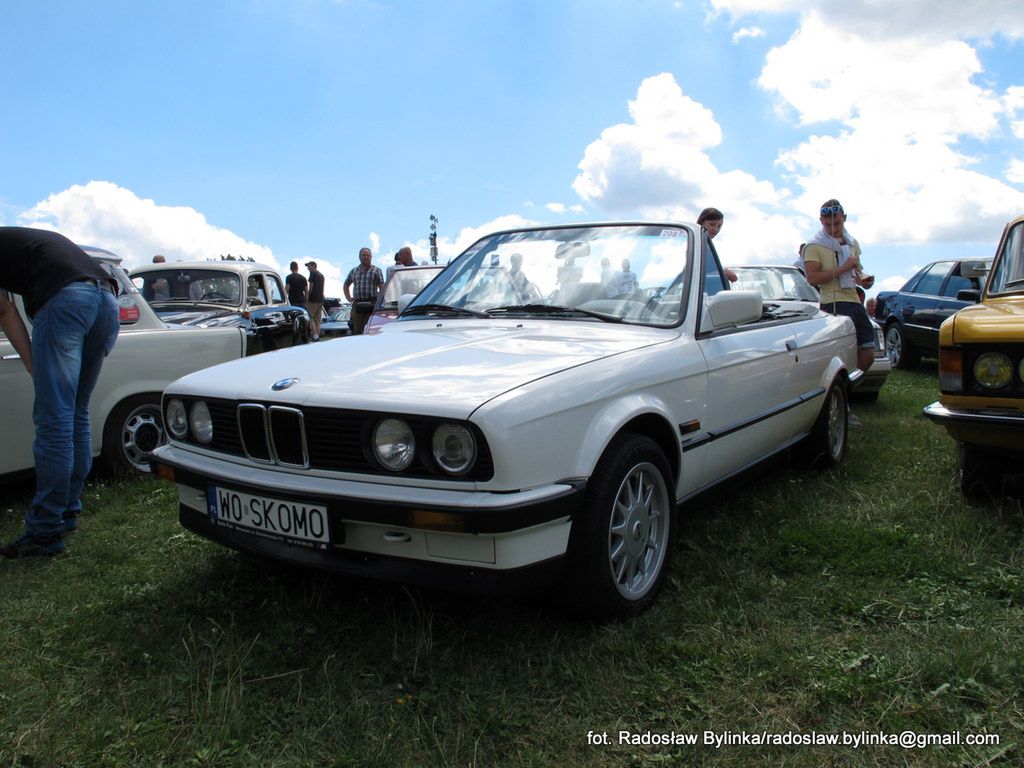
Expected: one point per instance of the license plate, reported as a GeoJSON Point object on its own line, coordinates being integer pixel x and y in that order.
{"type": "Point", "coordinates": [292, 521]}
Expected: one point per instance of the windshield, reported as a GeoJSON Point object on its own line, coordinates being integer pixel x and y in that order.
{"type": "Point", "coordinates": [619, 273]}
{"type": "Point", "coordinates": [190, 285]}
{"type": "Point", "coordinates": [409, 280]}
{"type": "Point", "coordinates": [1008, 274]}
{"type": "Point", "coordinates": [775, 283]}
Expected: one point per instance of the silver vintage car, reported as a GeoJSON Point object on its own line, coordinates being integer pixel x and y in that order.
{"type": "Point", "coordinates": [125, 408]}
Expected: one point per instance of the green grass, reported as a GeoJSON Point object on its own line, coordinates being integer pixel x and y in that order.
{"type": "Point", "coordinates": [868, 598]}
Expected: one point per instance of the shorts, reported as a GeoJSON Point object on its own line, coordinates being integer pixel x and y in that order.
{"type": "Point", "coordinates": [861, 321]}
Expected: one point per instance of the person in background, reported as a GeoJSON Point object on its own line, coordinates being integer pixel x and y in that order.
{"type": "Point", "coordinates": [315, 300]}
{"type": "Point", "coordinates": [365, 281]}
{"type": "Point", "coordinates": [159, 259]}
{"type": "Point", "coordinates": [712, 220]}
{"type": "Point", "coordinates": [70, 300]}
{"type": "Point", "coordinates": [296, 285]}
{"type": "Point", "coordinates": [832, 265]}
{"type": "Point", "coordinates": [626, 282]}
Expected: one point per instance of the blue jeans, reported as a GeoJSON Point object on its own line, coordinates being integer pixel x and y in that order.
{"type": "Point", "coordinates": [71, 334]}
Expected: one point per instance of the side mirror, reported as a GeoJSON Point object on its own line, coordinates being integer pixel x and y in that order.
{"type": "Point", "coordinates": [404, 300]}
{"type": "Point", "coordinates": [727, 309]}
{"type": "Point", "coordinates": [969, 294]}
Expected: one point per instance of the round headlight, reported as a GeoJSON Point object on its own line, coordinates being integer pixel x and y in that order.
{"type": "Point", "coordinates": [993, 370]}
{"type": "Point", "coordinates": [200, 421]}
{"type": "Point", "coordinates": [454, 448]}
{"type": "Point", "coordinates": [177, 419]}
{"type": "Point", "coordinates": [394, 444]}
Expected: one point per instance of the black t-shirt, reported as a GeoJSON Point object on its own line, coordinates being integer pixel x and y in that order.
{"type": "Point", "coordinates": [316, 286]}
{"type": "Point", "coordinates": [37, 263]}
{"type": "Point", "coordinates": [296, 285]}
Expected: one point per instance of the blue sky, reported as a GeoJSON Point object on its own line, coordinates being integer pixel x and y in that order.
{"type": "Point", "coordinates": [307, 129]}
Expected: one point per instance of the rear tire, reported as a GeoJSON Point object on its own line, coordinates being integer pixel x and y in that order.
{"type": "Point", "coordinates": [621, 543]}
{"type": "Point", "coordinates": [134, 429]}
{"type": "Point", "coordinates": [825, 447]}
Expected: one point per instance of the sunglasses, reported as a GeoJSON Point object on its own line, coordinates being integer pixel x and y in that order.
{"type": "Point", "coordinates": [831, 210]}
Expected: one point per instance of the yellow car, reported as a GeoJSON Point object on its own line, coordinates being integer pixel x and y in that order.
{"type": "Point", "coordinates": [981, 375]}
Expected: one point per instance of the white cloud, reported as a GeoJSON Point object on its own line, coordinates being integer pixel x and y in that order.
{"type": "Point", "coordinates": [1015, 171]}
{"type": "Point", "coordinates": [746, 32]}
{"type": "Point", "coordinates": [942, 19]}
{"type": "Point", "coordinates": [103, 214]}
{"type": "Point", "coordinates": [556, 207]}
{"type": "Point", "coordinates": [891, 283]}
{"type": "Point", "coordinates": [902, 107]}
{"type": "Point", "coordinates": [658, 167]}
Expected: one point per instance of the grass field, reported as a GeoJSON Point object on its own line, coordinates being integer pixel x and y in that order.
{"type": "Point", "coordinates": [869, 599]}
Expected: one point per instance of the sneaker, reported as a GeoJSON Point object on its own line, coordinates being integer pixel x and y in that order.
{"type": "Point", "coordinates": [29, 546]}
{"type": "Point", "coordinates": [70, 522]}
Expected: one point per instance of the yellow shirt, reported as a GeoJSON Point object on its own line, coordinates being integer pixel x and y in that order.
{"type": "Point", "coordinates": [826, 257]}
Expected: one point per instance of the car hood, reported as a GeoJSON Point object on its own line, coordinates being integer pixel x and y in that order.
{"type": "Point", "coordinates": [996, 320]}
{"type": "Point", "coordinates": [447, 368]}
{"type": "Point", "coordinates": [197, 314]}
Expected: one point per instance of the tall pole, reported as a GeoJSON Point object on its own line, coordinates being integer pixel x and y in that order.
{"type": "Point", "coordinates": [433, 238]}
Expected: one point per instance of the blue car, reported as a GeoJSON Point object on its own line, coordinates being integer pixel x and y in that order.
{"type": "Point", "coordinates": [911, 316]}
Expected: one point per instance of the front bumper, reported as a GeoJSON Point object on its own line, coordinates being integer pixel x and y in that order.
{"type": "Point", "coordinates": [500, 538]}
{"type": "Point", "coordinates": [876, 375]}
{"type": "Point", "coordinates": [993, 428]}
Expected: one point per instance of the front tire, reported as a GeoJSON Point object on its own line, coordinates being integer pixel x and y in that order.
{"type": "Point", "coordinates": [979, 474]}
{"type": "Point", "coordinates": [134, 429]}
{"type": "Point", "coordinates": [900, 353]}
{"type": "Point", "coordinates": [621, 543]}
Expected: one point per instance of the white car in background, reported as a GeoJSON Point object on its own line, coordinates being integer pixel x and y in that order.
{"type": "Point", "coordinates": [557, 435]}
{"type": "Point", "coordinates": [125, 407]}
{"type": "Point", "coordinates": [788, 286]}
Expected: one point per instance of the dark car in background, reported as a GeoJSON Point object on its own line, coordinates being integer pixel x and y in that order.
{"type": "Point", "coordinates": [911, 316]}
{"type": "Point", "coordinates": [217, 294]}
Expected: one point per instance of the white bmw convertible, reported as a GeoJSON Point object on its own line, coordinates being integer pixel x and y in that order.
{"type": "Point", "coordinates": [538, 412]}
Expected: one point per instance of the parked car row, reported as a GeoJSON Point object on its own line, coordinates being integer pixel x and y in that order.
{"type": "Point", "coordinates": [566, 422]}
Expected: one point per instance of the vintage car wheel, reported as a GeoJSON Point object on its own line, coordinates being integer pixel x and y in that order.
{"type": "Point", "coordinates": [980, 474]}
{"type": "Point", "coordinates": [900, 353]}
{"type": "Point", "coordinates": [825, 447]}
{"type": "Point", "coordinates": [621, 544]}
{"type": "Point", "coordinates": [134, 429]}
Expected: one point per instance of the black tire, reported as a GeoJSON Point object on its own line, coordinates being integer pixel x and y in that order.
{"type": "Point", "coordinates": [901, 354]}
{"type": "Point", "coordinates": [134, 429]}
{"type": "Point", "coordinates": [980, 475]}
{"type": "Point", "coordinates": [825, 447]}
{"type": "Point", "coordinates": [621, 543]}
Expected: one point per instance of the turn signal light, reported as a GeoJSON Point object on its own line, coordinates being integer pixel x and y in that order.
{"type": "Point", "coordinates": [437, 521]}
{"type": "Point", "coordinates": [951, 369]}
{"type": "Point", "coordinates": [163, 471]}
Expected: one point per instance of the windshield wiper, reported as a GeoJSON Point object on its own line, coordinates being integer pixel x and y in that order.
{"type": "Point", "coordinates": [552, 309]}
{"type": "Point", "coordinates": [427, 309]}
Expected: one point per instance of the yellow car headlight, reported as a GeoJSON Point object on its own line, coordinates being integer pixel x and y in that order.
{"type": "Point", "coordinates": [993, 370]}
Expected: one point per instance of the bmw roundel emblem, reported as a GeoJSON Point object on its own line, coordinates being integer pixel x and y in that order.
{"type": "Point", "coordinates": [283, 384]}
